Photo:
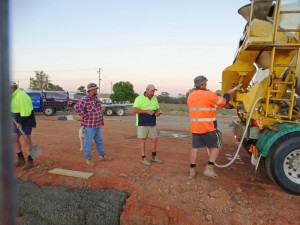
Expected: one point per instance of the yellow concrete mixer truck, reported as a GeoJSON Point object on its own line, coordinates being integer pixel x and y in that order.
{"type": "Point", "coordinates": [267, 73]}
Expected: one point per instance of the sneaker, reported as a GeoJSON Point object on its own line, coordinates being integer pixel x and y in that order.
{"type": "Point", "coordinates": [145, 162]}
{"type": "Point", "coordinates": [155, 159]}
{"type": "Point", "coordinates": [28, 165]}
{"type": "Point", "coordinates": [193, 172]}
{"type": "Point", "coordinates": [105, 158]}
{"type": "Point", "coordinates": [209, 171]}
{"type": "Point", "coordinates": [20, 162]}
{"type": "Point", "coordinates": [89, 162]}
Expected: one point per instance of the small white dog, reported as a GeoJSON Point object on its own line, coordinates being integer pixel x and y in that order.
{"type": "Point", "coordinates": [81, 137]}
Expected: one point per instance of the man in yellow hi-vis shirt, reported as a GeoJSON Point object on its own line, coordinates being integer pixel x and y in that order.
{"type": "Point", "coordinates": [23, 114]}
{"type": "Point", "coordinates": [146, 108]}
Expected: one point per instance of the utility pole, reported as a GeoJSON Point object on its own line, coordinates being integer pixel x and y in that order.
{"type": "Point", "coordinates": [111, 87]}
{"type": "Point", "coordinates": [99, 80]}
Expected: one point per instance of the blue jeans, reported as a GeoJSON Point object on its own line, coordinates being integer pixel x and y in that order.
{"type": "Point", "coordinates": [89, 135]}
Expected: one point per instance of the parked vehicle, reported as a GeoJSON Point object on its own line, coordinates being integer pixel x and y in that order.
{"type": "Point", "coordinates": [74, 97]}
{"type": "Point", "coordinates": [107, 101]}
{"type": "Point", "coordinates": [48, 102]}
{"type": "Point", "coordinates": [115, 109]}
{"type": "Point", "coordinates": [111, 108]}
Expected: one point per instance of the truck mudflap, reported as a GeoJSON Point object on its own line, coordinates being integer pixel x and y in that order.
{"type": "Point", "coordinates": [269, 136]}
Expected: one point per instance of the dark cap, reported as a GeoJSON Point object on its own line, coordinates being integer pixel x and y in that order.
{"type": "Point", "coordinates": [198, 81]}
{"type": "Point", "coordinates": [91, 86]}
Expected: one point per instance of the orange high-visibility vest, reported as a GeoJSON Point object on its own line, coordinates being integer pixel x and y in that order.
{"type": "Point", "coordinates": [203, 107]}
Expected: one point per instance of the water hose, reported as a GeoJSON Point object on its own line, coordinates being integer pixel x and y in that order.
{"type": "Point", "coordinates": [241, 141]}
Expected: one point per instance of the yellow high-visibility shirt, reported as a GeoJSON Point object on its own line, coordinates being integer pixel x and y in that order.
{"type": "Point", "coordinates": [21, 103]}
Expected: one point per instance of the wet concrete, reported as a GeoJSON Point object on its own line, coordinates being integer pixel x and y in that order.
{"type": "Point", "coordinates": [61, 206]}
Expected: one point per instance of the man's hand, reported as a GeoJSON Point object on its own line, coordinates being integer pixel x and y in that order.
{"type": "Point", "coordinates": [158, 113]}
{"type": "Point", "coordinates": [19, 126]}
{"type": "Point", "coordinates": [231, 91]}
{"type": "Point", "coordinates": [150, 112]}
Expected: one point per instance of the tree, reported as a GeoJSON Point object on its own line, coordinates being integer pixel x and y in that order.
{"type": "Point", "coordinates": [164, 97]}
{"type": "Point", "coordinates": [123, 91]}
{"type": "Point", "coordinates": [181, 99]}
{"type": "Point", "coordinates": [53, 87]}
{"type": "Point", "coordinates": [82, 89]}
{"type": "Point", "coordinates": [40, 82]}
{"type": "Point", "coordinates": [218, 92]}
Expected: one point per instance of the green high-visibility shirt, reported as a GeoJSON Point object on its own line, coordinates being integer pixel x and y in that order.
{"type": "Point", "coordinates": [21, 103]}
{"type": "Point", "coordinates": [144, 103]}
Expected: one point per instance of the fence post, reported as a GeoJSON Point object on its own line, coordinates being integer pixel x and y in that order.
{"type": "Point", "coordinates": [7, 171]}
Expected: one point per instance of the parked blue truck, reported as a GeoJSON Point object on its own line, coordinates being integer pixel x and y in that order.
{"type": "Point", "coordinates": [48, 102]}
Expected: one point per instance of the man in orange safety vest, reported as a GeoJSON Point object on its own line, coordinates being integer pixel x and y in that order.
{"type": "Point", "coordinates": [203, 105]}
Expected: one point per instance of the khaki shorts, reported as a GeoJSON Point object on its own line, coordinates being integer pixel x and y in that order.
{"type": "Point", "coordinates": [146, 132]}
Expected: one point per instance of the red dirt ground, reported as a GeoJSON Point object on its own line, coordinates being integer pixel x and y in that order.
{"type": "Point", "coordinates": [163, 194]}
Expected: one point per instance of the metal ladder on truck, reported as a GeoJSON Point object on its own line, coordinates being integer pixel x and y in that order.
{"type": "Point", "coordinates": [282, 72]}
{"type": "Point", "coordinates": [284, 64]}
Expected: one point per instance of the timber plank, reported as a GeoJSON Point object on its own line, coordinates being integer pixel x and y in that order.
{"type": "Point", "coordinates": [71, 173]}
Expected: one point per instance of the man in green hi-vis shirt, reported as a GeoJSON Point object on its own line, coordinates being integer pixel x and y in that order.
{"type": "Point", "coordinates": [23, 114]}
{"type": "Point", "coordinates": [146, 108]}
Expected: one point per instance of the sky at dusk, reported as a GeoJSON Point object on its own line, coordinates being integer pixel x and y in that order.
{"type": "Point", "coordinates": [164, 42]}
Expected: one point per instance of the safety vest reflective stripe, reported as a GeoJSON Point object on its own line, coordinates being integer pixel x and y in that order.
{"type": "Point", "coordinates": [201, 109]}
{"type": "Point", "coordinates": [202, 119]}
{"type": "Point", "coordinates": [218, 102]}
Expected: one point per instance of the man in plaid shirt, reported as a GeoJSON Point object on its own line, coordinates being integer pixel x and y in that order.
{"type": "Point", "coordinates": [89, 108]}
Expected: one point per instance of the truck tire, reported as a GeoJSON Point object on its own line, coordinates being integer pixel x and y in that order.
{"type": "Point", "coordinates": [109, 112]}
{"type": "Point", "coordinates": [49, 111]}
{"type": "Point", "coordinates": [284, 162]}
{"type": "Point", "coordinates": [267, 163]}
{"type": "Point", "coordinates": [120, 112]}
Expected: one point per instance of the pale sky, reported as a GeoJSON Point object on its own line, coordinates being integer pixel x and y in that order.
{"type": "Point", "coordinates": [164, 42]}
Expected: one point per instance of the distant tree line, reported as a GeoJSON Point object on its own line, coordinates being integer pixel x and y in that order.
{"type": "Point", "coordinates": [165, 97]}
{"type": "Point", "coordinates": [122, 91]}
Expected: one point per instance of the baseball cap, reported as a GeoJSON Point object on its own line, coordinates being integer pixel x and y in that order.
{"type": "Point", "coordinates": [200, 80]}
{"type": "Point", "coordinates": [151, 87]}
{"type": "Point", "coordinates": [91, 86]}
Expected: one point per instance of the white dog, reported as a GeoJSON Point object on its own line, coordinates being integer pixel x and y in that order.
{"type": "Point", "coordinates": [81, 137]}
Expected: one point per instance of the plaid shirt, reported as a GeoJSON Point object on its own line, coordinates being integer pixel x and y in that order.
{"type": "Point", "coordinates": [89, 108]}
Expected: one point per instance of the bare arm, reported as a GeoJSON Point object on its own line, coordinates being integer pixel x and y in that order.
{"type": "Point", "coordinates": [139, 111]}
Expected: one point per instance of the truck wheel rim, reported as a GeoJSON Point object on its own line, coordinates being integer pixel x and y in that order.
{"type": "Point", "coordinates": [291, 166]}
{"type": "Point", "coordinates": [120, 112]}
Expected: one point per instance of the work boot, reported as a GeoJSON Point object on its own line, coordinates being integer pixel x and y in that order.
{"type": "Point", "coordinates": [20, 161]}
{"type": "Point", "coordinates": [89, 162]}
{"type": "Point", "coordinates": [193, 172]}
{"type": "Point", "coordinates": [105, 158]}
{"type": "Point", "coordinates": [209, 171]}
{"type": "Point", "coordinates": [145, 162]}
{"type": "Point", "coordinates": [155, 159]}
{"type": "Point", "coordinates": [28, 165]}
